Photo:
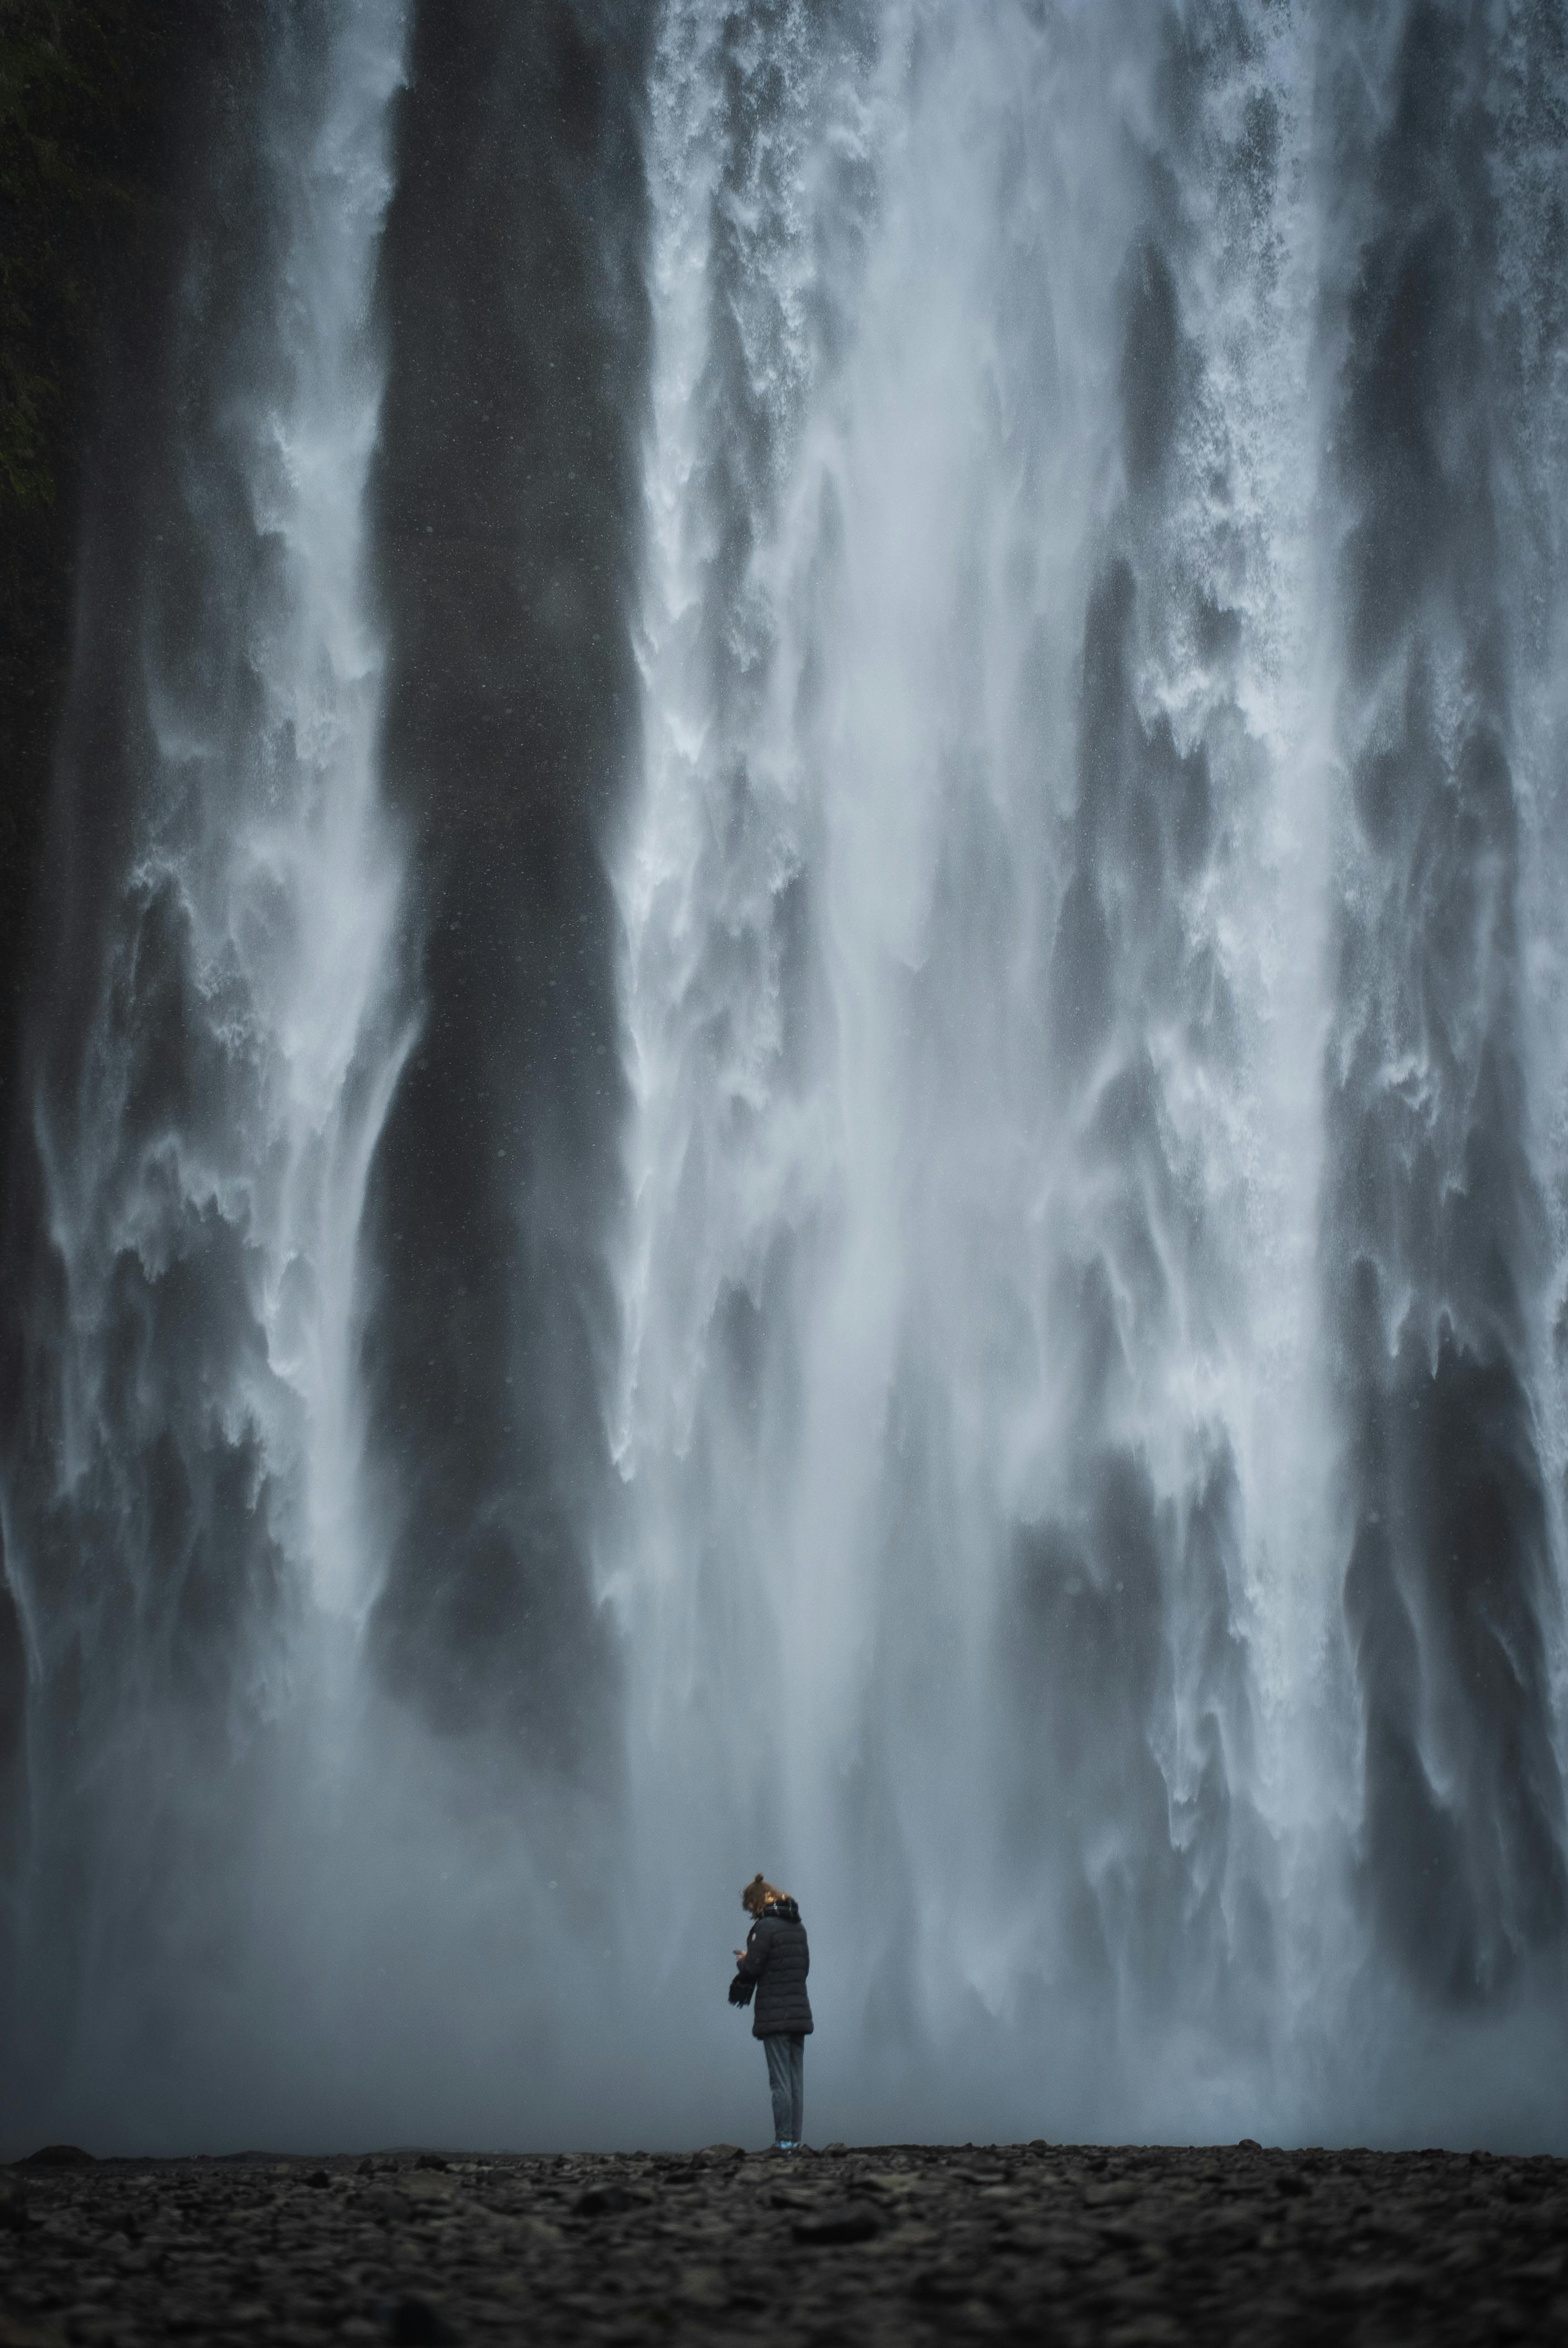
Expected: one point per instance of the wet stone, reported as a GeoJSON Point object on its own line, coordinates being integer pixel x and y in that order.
{"type": "Point", "coordinates": [1142, 2248]}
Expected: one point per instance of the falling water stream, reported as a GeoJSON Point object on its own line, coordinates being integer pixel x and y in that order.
{"type": "Point", "coordinates": [807, 1107]}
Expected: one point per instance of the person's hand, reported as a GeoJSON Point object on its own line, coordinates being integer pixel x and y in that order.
{"type": "Point", "coordinates": [739, 1954]}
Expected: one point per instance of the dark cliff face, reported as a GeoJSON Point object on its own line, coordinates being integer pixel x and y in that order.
{"type": "Point", "coordinates": [507, 505]}
{"type": "Point", "coordinates": [99, 108]}
{"type": "Point", "coordinates": [94, 100]}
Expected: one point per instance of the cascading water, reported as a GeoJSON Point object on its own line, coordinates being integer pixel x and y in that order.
{"type": "Point", "coordinates": [959, 983]}
{"type": "Point", "coordinates": [184, 1507]}
{"type": "Point", "coordinates": [870, 1179]}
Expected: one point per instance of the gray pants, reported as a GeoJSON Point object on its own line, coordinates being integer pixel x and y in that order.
{"type": "Point", "coordinates": [786, 2064]}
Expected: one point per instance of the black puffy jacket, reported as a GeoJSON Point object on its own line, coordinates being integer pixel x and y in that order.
{"type": "Point", "coordinates": [778, 1960]}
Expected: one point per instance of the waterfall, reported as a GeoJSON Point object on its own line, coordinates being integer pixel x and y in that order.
{"type": "Point", "coordinates": [186, 1511]}
{"type": "Point", "coordinates": [965, 997]}
{"type": "Point", "coordinates": [1085, 1411]}
{"type": "Point", "coordinates": [804, 1102]}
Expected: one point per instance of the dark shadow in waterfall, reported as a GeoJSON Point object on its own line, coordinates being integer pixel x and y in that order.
{"type": "Point", "coordinates": [1125, 1663]}
{"type": "Point", "coordinates": [1126, 1677]}
{"type": "Point", "coordinates": [508, 501]}
{"type": "Point", "coordinates": [1433, 1227]}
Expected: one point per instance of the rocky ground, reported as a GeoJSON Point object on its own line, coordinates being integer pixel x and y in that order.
{"type": "Point", "coordinates": [894, 2244]}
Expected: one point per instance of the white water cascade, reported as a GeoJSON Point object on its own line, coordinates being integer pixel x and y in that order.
{"type": "Point", "coordinates": [990, 981]}
{"type": "Point", "coordinates": [188, 1546]}
{"type": "Point", "coordinates": [802, 1102]}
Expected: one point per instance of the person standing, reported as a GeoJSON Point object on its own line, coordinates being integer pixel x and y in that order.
{"type": "Point", "coordinates": [774, 1965]}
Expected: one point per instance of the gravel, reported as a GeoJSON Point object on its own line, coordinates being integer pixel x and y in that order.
{"type": "Point", "coordinates": [1131, 2247]}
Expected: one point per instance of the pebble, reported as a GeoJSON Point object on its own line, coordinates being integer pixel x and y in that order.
{"type": "Point", "coordinates": [1083, 2247]}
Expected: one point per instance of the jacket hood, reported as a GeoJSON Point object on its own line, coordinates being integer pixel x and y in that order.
{"type": "Point", "coordinates": [785, 1909]}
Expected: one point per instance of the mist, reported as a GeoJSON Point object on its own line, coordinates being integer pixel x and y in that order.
{"type": "Point", "coordinates": [795, 1094]}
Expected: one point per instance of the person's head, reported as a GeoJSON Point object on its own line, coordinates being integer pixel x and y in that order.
{"type": "Point", "coordinates": [757, 1894]}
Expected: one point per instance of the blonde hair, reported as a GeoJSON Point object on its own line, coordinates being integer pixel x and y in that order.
{"type": "Point", "coordinates": [758, 1892]}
